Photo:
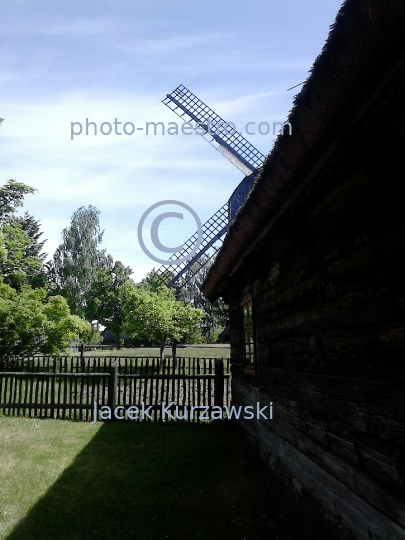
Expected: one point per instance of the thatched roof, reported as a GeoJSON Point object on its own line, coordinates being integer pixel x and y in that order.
{"type": "Point", "coordinates": [365, 41]}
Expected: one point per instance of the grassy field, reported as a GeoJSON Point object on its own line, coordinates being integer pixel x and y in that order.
{"type": "Point", "coordinates": [200, 351]}
{"type": "Point", "coordinates": [66, 480]}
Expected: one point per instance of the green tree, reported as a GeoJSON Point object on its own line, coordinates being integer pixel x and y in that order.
{"type": "Point", "coordinates": [91, 335]}
{"type": "Point", "coordinates": [29, 321]}
{"type": "Point", "coordinates": [17, 268]}
{"type": "Point", "coordinates": [104, 300]}
{"type": "Point", "coordinates": [195, 337]}
{"type": "Point", "coordinates": [32, 323]}
{"type": "Point", "coordinates": [3, 250]}
{"type": "Point", "coordinates": [20, 259]}
{"type": "Point", "coordinates": [34, 247]}
{"type": "Point", "coordinates": [154, 312]}
{"type": "Point", "coordinates": [78, 258]}
{"type": "Point", "coordinates": [152, 279]}
{"type": "Point", "coordinates": [31, 227]}
{"type": "Point", "coordinates": [12, 196]}
{"type": "Point", "coordinates": [216, 314]}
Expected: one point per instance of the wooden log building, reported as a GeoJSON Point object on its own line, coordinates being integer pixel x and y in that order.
{"type": "Point", "coordinates": [313, 271]}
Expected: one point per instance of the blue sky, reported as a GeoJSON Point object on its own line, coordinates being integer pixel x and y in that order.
{"type": "Point", "coordinates": [65, 62]}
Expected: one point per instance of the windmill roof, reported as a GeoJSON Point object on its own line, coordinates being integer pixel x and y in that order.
{"type": "Point", "coordinates": [364, 43]}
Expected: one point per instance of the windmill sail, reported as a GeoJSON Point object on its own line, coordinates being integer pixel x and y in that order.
{"type": "Point", "coordinates": [237, 150]}
{"type": "Point", "coordinates": [212, 231]}
{"type": "Point", "coordinates": [220, 134]}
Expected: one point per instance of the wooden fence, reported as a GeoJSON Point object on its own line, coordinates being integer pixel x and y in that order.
{"type": "Point", "coordinates": [68, 387]}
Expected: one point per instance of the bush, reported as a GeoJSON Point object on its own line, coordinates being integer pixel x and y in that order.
{"type": "Point", "coordinates": [91, 336]}
{"type": "Point", "coordinates": [213, 336]}
{"type": "Point", "coordinates": [195, 337]}
{"type": "Point", "coordinates": [32, 323]}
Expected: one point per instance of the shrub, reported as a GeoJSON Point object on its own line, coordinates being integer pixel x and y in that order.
{"type": "Point", "coordinates": [213, 336]}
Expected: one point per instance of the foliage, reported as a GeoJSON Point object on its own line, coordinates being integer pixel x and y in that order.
{"type": "Point", "coordinates": [104, 299]}
{"type": "Point", "coordinates": [16, 266]}
{"type": "Point", "coordinates": [153, 312]}
{"type": "Point", "coordinates": [154, 280]}
{"type": "Point", "coordinates": [21, 261]}
{"type": "Point", "coordinates": [77, 259]}
{"type": "Point", "coordinates": [213, 336]}
{"type": "Point", "coordinates": [31, 227]}
{"type": "Point", "coordinates": [32, 324]}
{"type": "Point", "coordinates": [195, 338]}
{"type": "Point", "coordinates": [11, 196]}
{"type": "Point", "coordinates": [215, 313]}
{"type": "Point", "coordinates": [90, 336]}
{"type": "Point", "coordinates": [3, 250]}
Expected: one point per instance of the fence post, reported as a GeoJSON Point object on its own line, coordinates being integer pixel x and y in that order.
{"type": "Point", "coordinates": [113, 388]}
{"type": "Point", "coordinates": [82, 360]}
{"type": "Point", "coordinates": [219, 383]}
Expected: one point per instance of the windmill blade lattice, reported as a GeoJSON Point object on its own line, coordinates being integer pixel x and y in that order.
{"type": "Point", "coordinates": [212, 231]}
{"type": "Point", "coordinates": [222, 136]}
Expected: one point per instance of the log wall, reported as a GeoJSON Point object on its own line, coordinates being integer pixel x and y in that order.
{"type": "Point", "coordinates": [327, 285]}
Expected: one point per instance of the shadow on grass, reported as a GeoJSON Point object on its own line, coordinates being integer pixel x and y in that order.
{"type": "Point", "coordinates": [149, 481]}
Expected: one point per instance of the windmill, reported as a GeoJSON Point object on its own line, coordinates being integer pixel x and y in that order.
{"type": "Point", "coordinates": [231, 144]}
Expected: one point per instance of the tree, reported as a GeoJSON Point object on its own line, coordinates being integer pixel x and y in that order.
{"type": "Point", "coordinates": [31, 227]}
{"type": "Point", "coordinates": [77, 259]}
{"type": "Point", "coordinates": [105, 297]}
{"type": "Point", "coordinates": [33, 248]}
{"type": "Point", "coordinates": [3, 250]}
{"type": "Point", "coordinates": [11, 196]}
{"type": "Point", "coordinates": [154, 312]}
{"type": "Point", "coordinates": [216, 314]}
{"type": "Point", "coordinates": [17, 268]}
{"type": "Point", "coordinates": [20, 259]}
{"type": "Point", "coordinates": [32, 324]}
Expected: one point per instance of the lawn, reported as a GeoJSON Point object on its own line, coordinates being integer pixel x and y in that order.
{"type": "Point", "coordinates": [193, 351]}
{"type": "Point", "coordinates": [68, 480]}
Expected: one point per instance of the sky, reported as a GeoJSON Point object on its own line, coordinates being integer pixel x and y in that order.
{"type": "Point", "coordinates": [63, 62]}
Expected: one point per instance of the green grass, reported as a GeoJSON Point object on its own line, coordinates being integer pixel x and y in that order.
{"type": "Point", "coordinates": [200, 351]}
{"type": "Point", "coordinates": [66, 480]}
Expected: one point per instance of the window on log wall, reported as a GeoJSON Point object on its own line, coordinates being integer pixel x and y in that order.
{"type": "Point", "coordinates": [249, 357]}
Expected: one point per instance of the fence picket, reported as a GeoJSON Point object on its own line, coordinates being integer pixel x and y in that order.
{"type": "Point", "coordinates": [31, 385]}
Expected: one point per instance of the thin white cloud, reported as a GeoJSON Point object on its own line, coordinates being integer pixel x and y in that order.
{"type": "Point", "coordinates": [53, 26]}
{"type": "Point", "coordinates": [86, 27]}
{"type": "Point", "coordinates": [172, 44]}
